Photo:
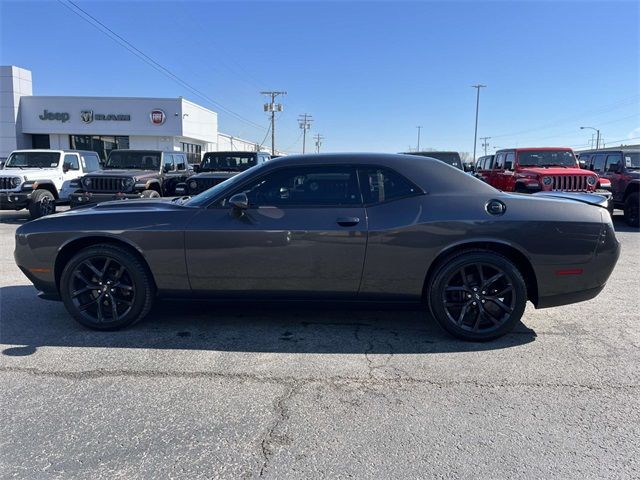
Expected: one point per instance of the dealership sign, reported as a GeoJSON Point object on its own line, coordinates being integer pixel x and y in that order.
{"type": "Point", "coordinates": [87, 116]}
{"type": "Point", "coordinates": [157, 117]}
{"type": "Point", "coordinates": [60, 116]}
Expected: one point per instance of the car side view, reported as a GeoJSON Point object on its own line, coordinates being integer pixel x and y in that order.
{"type": "Point", "coordinates": [358, 227]}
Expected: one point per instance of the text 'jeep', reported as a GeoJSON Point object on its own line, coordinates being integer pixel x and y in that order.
{"type": "Point", "coordinates": [130, 174]}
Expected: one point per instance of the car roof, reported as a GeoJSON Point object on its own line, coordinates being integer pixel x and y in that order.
{"type": "Point", "coordinates": [63, 150]}
{"type": "Point", "coordinates": [432, 175]}
{"type": "Point", "coordinates": [526, 149]}
{"type": "Point", "coordinates": [612, 150]}
{"type": "Point", "coordinates": [236, 152]}
{"type": "Point", "coordinates": [142, 150]}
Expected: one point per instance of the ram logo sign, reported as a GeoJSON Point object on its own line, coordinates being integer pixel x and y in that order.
{"type": "Point", "coordinates": [86, 116]}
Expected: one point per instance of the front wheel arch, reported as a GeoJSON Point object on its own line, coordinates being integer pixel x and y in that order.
{"type": "Point", "coordinates": [520, 260]}
{"type": "Point", "coordinates": [68, 250]}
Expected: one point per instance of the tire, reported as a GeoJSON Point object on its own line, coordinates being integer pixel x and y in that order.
{"type": "Point", "coordinates": [150, 194]}
{"type": "Point", "coordinates": [520, 188]}
{"type": "Point", "coordinates": [460, 306]}
{"type": "Point", "coordinates": [103, 275]}
{"type": "Point", "coordinates": [42, 203]}
{"type": "Point", "coordinates": [631, 213]}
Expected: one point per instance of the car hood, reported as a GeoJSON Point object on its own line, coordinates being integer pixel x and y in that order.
{"type": "Point", "coordinates": [116, 172]}
{"type": "Point", "coordinates": [30, 173]}
{"type": "Point", "coordinates": [214, 175]}
{"type": "Point", "coordinates": [554, 171]}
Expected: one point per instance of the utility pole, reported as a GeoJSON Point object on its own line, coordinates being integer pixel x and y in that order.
{"type": "Point", "coordinates": [475, 135]}
{"type": "Point", "coordinates": [597, 135]}
{"type": "Point", "coordinates": [485, 143]}
{"type": "Point", "coordinates": [273, 107]}
{"type": "Point", "coordinates": [419, 127]}
{"type": "Point", "coordinates": [319, 139]}
{"type": "Point", "coordinates": [304, 122]}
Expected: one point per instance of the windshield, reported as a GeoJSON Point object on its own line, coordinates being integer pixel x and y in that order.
{"type": "Point", "coordinates": [632, 159]}
{"type": "Point", "coordinates": [205, 197]}
{"type": "Point", "coordinates": [133, 160]}
{"type": "Point", "coordinates": [547, 158]}
{"type": "Point", "coordinates": [227, 162]}
{"type": "Point", "coordinates": [33, 160]}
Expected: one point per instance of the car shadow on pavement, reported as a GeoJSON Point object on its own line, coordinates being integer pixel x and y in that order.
{"type": "Point", "coordinates": [27, 323]}
{"type": "Point", "coordinates": [620, 225]}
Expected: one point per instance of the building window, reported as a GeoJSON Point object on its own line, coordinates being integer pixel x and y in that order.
{"type": "Point", "coordinates": [101, 144]}
{"type": "Point", "coordinates": [40, 141]}
{"type": "Point", "coordinates": [193, 151]}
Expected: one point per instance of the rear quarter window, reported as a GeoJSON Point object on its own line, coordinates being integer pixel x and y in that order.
{"type": "Point", "coordinates": [383, 185]}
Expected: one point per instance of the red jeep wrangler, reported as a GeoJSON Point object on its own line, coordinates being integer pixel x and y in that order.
{"type": "Point", "coordinates": [530, 170]}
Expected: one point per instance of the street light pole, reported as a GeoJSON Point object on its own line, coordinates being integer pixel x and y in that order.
{"type": "Point", "coordinates": [475, 135]}
{"type": "Point", "coordinates": [597, 135]}
{"type": "Point", "coordinates": [419, 127]}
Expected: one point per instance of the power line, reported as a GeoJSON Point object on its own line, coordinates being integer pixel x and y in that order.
{"type": "Point", "coordinates": [93, 21]}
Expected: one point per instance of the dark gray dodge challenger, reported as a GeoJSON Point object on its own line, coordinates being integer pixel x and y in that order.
{"type": "Point", "coordinates": [364, 227]}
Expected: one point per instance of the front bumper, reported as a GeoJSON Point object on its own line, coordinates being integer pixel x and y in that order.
{"type": "Point", "coordinates": [81, 199]}
{"type": "Point", "coordinates": [14, 200]}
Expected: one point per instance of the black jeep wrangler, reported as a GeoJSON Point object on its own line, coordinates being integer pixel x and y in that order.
{"type": "Point", "coordinates": [216, 167]}
{"type": "Point", "coordinates": [132, 174]}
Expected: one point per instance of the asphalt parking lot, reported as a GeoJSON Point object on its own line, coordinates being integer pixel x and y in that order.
{"type": "Point", "coordinates": [202, 391]}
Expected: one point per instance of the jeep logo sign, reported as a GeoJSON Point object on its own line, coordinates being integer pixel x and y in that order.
{"type": "Point", "coordinates": [60, 116]}
{"type": "Point", "coordinates": [157, 117]}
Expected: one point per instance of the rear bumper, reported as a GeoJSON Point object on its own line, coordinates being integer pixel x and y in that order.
{"type": "Point", "coordinates": [81, 199]}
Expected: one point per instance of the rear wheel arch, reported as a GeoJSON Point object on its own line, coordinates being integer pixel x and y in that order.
{"type": "Point", "coordinates": [633, 187]}
{"type": "Point", "coordinates": [70, 249]}
{"type": "Point", "coordinates": [518, 258]}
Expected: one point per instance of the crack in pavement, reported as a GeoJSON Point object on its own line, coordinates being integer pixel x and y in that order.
{"type": "Point", "coordinates": [284, 380]}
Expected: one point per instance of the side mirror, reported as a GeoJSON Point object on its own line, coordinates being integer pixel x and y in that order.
{"type": "Point", "coordinates": [613, 168]}
{"type": "Point", "coordinates": [508, 165]}
{"type": "Point", "coordinates": [66, 167]}
{"type": "Point", "coordinates": [583, 164]}
{"type": "Point", "coordinates": [196, 167]}
{"type": "Point", "coordinates": [239, 201]}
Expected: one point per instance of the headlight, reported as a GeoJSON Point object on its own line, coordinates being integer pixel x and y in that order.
{"type": "Point", "coordinates": [591, 181]}
{"type": "Point", "coordinates": [547, 180]}
{"type": "Point", "coordinates": [193, 184]}
{"type": "Point", "coordinates": [127, 183]}
{"type": "Point", "coordinates": [86, 182]}
{"type": "Point", "coordinates": [15, 182]}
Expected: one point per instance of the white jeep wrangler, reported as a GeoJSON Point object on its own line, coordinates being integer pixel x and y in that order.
{"type": "Point", "coordinates": [40, 179]}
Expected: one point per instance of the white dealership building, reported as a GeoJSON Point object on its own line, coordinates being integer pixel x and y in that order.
{"type": "Point", "coordinates": [104, 123]}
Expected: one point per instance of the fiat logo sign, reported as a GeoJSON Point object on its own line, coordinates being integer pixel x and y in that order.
{"type": "Point", "coordinates": [157, 117]}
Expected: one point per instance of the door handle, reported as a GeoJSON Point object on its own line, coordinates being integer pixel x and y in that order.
{"type": "Point", "coordinates": [347, 221]}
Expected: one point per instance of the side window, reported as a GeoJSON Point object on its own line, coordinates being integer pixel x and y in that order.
{"type": "Point", "coordinates": [167, 162]}
{"type": "Point", "coordinates": [181, 162]}
{"type": "Point", "coordinates": [90, 162]}
{"type": "Point", "coordinates": [586, 158]}
{"type": "Point", "coordinates": [613, 162]}
{"type": "Point", "coordinates": [330, 186]}
{"type": "Point", "coordinates": [72, 162]}
{"type": "Point", "coordinates": [598, 163]}
{"type": "Point", "coordinates": [510, 160]}
{"type": "Point", "coordinates": [382, 185]}
{"type": "Point", "coordinates": [499, 161]}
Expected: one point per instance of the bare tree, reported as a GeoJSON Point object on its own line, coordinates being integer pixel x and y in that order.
{"type": "Point", "coordinates": [466, 157]}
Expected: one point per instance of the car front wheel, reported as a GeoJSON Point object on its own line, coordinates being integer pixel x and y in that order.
{"type": "Point", "coordinates": [150, 194]}
{"type": "Point", "coordinates": [106, 287]}
{"type": "Point", "coordinates": [477, 295]}
{"type": "Point", "coordinates": [42, 203]}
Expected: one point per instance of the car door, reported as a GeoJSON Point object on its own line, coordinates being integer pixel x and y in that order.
{"type": "Point", "coordinates": [496, 175]}
{"type": "Point", "coordinates": [177, 174]}
{"type": "Point", "coordinates": [304, 233]}
{"type": "Point", "coordinates": [613, 172]}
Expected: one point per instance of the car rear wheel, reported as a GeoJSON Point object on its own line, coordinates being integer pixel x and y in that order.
{"type": "Point", "coordinates": [150, 194]}
{"type": "Point", "coordinates": [477, 295]}
{"type": "Point", "coordinates": [42, 203]}
{"type": "Point", "coordinates": [631, 210]}
{"type": "Point", "coordinates": [105, 287]}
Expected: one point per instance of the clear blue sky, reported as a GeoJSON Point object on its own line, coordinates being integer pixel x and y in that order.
{"type": "Point", "coordinates": [368, 72]}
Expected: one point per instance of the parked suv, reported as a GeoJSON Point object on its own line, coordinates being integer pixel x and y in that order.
{"type": "Point", "coordinates": [450, 158]}
{"type": "Point", "coordinates": [216, 167]}
{"type": "Point", "coordinates": [621, 166]}
{"type": "Point", "coordinates": [40, 179]}
{"type": "Point", "coordinates": [483, 163]}
{"type": "Point", "coordinates": [531, 170]}
{"type": "Point", "coordinates": [132, 174]}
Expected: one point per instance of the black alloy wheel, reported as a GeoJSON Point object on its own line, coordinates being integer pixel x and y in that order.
{"type": "Point", "coordinates": [478, 295]}
{"type": "Point", "coordinates": [106, 287]}
{"type": "Point", "coordinates": [632, 210]}
{"type": "Point", "coordinates": [42, 203]}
